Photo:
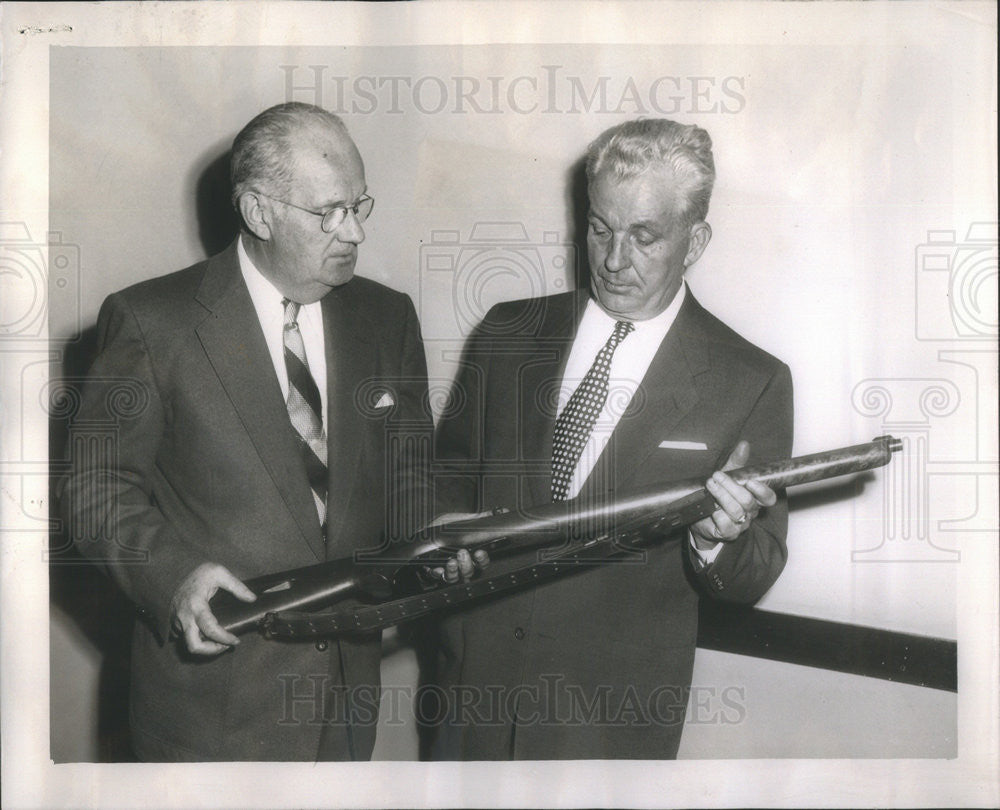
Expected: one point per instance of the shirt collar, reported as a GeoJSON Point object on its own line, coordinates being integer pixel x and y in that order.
{"type": "Point", "coordinates": [266, 297]}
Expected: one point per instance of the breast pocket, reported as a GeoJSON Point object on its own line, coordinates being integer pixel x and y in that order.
{"type": "Point", "coordinates": [675, 464]}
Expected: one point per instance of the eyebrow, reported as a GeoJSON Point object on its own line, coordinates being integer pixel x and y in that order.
{"type": "Point", "coordinates": [343, 203]}
{"type": "Point", "coordinates": [646, 224]}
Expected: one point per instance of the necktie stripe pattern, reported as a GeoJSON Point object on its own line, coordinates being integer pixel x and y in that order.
{"type": "Point", "coordinates": [298, 370]}
{"type": "Point", "coordinates": [577, 420]}
{"type": "Point", "coordinates": [305, 409]}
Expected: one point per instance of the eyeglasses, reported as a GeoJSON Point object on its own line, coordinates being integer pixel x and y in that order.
{"type": "Point", "coordinates": [334, 217]}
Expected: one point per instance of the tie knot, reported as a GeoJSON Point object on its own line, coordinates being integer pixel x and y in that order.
{"type": "Point", "coordinates": [622, 328]}
{"type": "Point", "coordinates": [291, 312]}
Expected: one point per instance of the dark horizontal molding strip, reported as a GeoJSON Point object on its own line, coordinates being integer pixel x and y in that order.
{"type": "Point", "coordinates": [851, 648]}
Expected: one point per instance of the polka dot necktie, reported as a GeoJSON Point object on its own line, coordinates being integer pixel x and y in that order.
{"type": "Point", "coordinates": [576, 422]}
{"type": "Point", "coordinates": [305, 408]}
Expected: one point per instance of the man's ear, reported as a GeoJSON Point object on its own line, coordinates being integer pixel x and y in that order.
{"type": "Point", "coordinates": [256, 214]}
{"type": "Point", "coordinates": [700, 236]}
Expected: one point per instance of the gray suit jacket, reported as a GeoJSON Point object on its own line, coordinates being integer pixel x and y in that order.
{"type": "Point", "coordinates": [598, 665]}
{"type": "Point", "coordinates": [207, 468]}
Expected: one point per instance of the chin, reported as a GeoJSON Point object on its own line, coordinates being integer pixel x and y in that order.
{"type": "Point", "coordinates": [615, 304]}
{"type": "Point", "coordinates": [339, 274]}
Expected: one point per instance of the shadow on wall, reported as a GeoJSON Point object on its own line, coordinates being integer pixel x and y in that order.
{"type": "Point", "coordinates": [217, 220]}
{"type": "Point", "coordinates": [578, 205]}
{"type": "Point", "coordinates": [100, 611]}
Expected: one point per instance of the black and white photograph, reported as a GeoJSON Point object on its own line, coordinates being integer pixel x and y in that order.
{"type": "Point", "coordinates": [526, 404]}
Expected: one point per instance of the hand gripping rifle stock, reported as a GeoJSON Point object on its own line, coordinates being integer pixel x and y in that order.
{"type": "Point", "coordinates": [389, 590]}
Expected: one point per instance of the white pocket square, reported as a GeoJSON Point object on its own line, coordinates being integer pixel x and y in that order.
{"type": "Point", "coordinates": [669, 445]}
{"type": "Point", "coordinates": [385, 401]}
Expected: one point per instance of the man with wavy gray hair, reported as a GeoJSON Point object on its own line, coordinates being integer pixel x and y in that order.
{"type": "Point", "coordinates": [649, 387]}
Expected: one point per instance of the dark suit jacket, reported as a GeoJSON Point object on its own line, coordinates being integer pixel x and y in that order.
{"type": "Point", "coordinates": [598, 665]}
{"type": "Point", "coordinates": [207, 468]}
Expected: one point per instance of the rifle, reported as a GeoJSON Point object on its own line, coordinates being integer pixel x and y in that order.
{"type": "Point", "coordinates": [385, 588]}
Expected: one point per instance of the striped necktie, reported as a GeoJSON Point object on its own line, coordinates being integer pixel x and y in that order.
{"type": "Point", "coordinates": [577, 420]}
{"type": "Point", "coordinates": [305, 408]}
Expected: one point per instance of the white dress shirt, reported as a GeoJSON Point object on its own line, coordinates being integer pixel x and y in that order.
{"type": "Point", "coordinates": [629, 365]}
{"type": "Point", "coordinates": [267, 301]}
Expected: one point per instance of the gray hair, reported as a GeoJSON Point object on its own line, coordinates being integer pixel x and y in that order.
{"type": "Point", "coordinates": [632, 147]}
{"type": "Point", "coordinates": [262, 151]}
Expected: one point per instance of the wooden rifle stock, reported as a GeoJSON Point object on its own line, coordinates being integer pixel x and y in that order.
{"type": "Point", "coordinates": [388, 574]}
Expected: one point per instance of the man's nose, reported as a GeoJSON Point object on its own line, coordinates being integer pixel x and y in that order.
{"type": "Point", "coordinates": [351, 230]}
{"type": "Point", "coordinates": [617, 258]}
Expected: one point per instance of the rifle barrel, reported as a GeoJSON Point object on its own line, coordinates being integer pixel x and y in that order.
{"type": "Point", "coordinates": [377, 576]}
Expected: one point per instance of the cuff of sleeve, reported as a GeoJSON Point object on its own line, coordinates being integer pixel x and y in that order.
{"type": "Point", "coordinates": [706, 558]}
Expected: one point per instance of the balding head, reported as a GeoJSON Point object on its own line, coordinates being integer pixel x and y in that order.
{"type": "Point", "coordinates": [292, 166]}
{"type": "Point", "coordinates": [265, 151]}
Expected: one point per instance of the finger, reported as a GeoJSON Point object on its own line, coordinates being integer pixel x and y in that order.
{"type": "Point", "coordinates": [205, 647]}
{"type": "Point", "coordinates": [195, 643]}
{"type": "Point", "coordinates": [451, 571]}
{"type": "Point", "coordinates": [739, 456]}
{"type": "Point", "coordinates": [435, 573]}
{"type": "Point", "coordinates": [726, 500]}
{"type": "Point", "coordinates": [465, 567]}
{"type": "Point", "coordinates": [705, 529]}
{"type": "Point", "coordinates": [212, 630]}
{"type": "Point", "coordinates": [737, 492]}
{"type": "Point", "coordinates": [481, 558]}
{"type": "Point", "coordinates": [725, 527]}
{"type": "Point", "coordinates": [708, 531]}
{"type": "Point", "coordinates": [764, 495]}
{"type": "Point", "coordinates": [226, 579]}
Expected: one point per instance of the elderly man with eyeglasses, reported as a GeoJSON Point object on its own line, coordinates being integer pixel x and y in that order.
{"type": "Point", "coordinates": [249, 451]}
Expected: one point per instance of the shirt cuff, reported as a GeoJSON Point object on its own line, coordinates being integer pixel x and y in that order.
{"type": "Point", "coordinates": [707, 557]}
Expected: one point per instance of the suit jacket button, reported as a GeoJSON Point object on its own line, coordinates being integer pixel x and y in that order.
{"type": "Point", "coordinates": [322, 645]}
{"type": "Point", "coordinates": [518, 633]}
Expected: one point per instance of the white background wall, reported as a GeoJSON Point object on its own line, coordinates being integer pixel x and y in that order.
{"type": "Point", "coordinates": [830, 175]}
{"type": "Point", "coordinates": [840, 151]}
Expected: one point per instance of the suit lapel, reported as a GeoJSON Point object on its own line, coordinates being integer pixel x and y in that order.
{"type": "Point", "coordinates": [539, 384]}
{"type": "Point", "coordinates": [235, 345]}
{"type": "Point", "coordinates": [349, 361]}
{"type": "Point", "coordinates": [667, 393]}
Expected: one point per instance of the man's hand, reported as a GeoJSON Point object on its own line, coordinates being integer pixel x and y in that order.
{"type": "Point", "coordinates": [463, 566]}
{"type": "Point", "coordinates": [738, 505]}
{"type": "Point", "coordinates": [191, 615]}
